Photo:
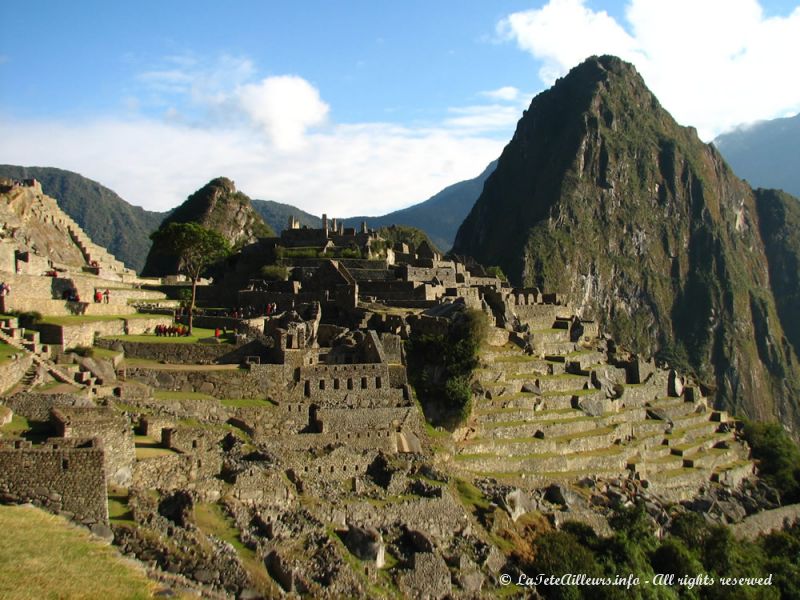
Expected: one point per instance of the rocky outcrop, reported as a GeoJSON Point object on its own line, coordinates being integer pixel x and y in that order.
{"type": "Point", "coordinates": [217, 206]}
{"type": "Point", "coordinates": [602, 196]}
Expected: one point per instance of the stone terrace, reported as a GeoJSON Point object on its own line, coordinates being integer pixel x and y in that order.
{"type": "Point", "coordinates": [568, 412]}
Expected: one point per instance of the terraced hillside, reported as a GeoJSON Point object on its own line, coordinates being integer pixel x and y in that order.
{"type": "Point", "coordinates": [566, 410]}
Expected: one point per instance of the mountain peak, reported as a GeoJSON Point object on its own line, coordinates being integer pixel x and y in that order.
{"type": "Point", "coordinates": [217, 206]}
{"type": "Point", "coordinates": [601, 195]}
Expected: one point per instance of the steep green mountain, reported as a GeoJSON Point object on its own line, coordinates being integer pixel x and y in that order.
{"type": "Point", "coordinates": [217, 206]}
{"type": "Point", "coordinates": [602, 196]}
{"type": "Point", "coordinates": [440, 215]}
{"type": "Point", "coordinates": [766, 154]}
{"type": "Point", "coordinates": [108, 219]}
{"type": "Point", "coordinates": [779, 222]}
{"type": "Point", "coordinates": [276, 215]}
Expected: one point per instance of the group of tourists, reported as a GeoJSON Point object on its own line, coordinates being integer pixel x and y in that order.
{"type": "Point", "coordinates": [172, 331]}
{"type": "Point", "coordinates": [102, 296]}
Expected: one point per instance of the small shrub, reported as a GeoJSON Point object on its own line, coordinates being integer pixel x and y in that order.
{"type": "Point", "coordinates": [28, 319]}
{"type": "Point", "coordinates": [778, 458]}
{"type": "Point", "coordinates": [496, 271]}
{"type": "Point", "coordinates": [274, 273]}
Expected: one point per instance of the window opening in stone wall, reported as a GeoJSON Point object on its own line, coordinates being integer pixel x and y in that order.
{"type": "Point", "coordinates": [377, 383]}
{"type": "Point", "coordinates": [350, 383]}
{"type": "Point", "coordinates": [336, 384]}
{"type": "Point", "coordinates": [308, 388]}
{"type": "Point", "coordinates": [64, 464]}
{"type": "Point", "coordinates": [322, 384]}
{"type": "Point", "coordinates": [363, 383]}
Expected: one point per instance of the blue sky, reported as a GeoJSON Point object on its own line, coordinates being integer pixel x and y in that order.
{"type": "Point", "coordinates": [351, 107]}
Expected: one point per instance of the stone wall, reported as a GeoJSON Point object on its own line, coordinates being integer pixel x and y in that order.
{"type": "Point", "coordinates": [257, 487]}
{"type": "Point", "coordinates": [342, 463]}
{"type": "Point", "coordinates": [63, 476]}
{"type": "Point", "coordinates": [37, 407]}
{"type": "Point", "coordinates": [255, 381]}
{"type": "Point", "coordinates": [192, 440]}
{"type": "Point", "coordinates": [83, 334]}
{"type": "Point", "coordinates": [537, 316]}
{"type": "Point", "coordinates": [367, 384]}
{"type": "Point", "coordinates": [12, 370]}
{"type": "Point", "coordinates": [112, 428]}
{"type": "Point", "coordinates": [176, 353]}
{"type": "Point", "coordinates": [353, 440]}
{"type": "Point", "coordinates": [764, 522]}
{"type": "Point", "coordinates": [341, 420]}
{"type": "Point", "coordinates": [176, 471]}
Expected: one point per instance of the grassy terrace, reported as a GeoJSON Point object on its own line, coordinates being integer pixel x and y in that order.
{"type": "Point", "coordinates": [7, 351]}
{"type": "Point", "coordinates": [147, 447]}
{"type": "Point", "coordinates": [44, 556]}
{"type": "Point", "coordinates": [610, 451]}
{"type": "Point", "coordinates": [82, 319]}
{"type": "Point", "coordinates": [599, 431]}
{"type": "Point", "coordinates": [167, 395]}
{"type": "Point", "coordinates": [558, 377]}
{"type": "Point", "coordinates": [16, 428]}
{"type": "Point", "coordinates": [198, 333]}
{"type": "Point", "coordinates": [246, 403]}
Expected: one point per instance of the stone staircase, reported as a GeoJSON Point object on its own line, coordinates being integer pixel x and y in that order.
{"type": "Point", "coordinates": [544, 419]}
{"type": "Point", "coordinates": [28, 341]}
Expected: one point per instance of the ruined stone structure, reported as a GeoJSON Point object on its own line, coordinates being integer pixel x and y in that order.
{"type": "Point", "coordinates": [303, 434]}
{"type": "Point", "coordinates": [64, 476]}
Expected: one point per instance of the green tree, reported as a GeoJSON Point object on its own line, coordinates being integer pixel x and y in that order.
{"type": "Point", "coordinates": [196, 248]}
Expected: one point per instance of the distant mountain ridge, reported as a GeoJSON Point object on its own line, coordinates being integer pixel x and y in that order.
{"type": "Point", "coordinates": [440, 215]}
{"type": "Point", "coordinates": [109, 220]}
{"type": "Point", "coordinates": [766, 154]}
{"type": "Point", "coordinates": [125, 229]}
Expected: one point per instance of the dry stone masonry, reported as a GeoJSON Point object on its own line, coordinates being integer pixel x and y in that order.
{"type": "Point", "coordinates": [294, 429]}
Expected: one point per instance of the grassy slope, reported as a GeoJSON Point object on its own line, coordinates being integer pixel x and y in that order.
{"type": "Point", "coordinates": [43, 556]}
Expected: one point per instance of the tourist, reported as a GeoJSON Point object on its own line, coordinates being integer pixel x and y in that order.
{"type": "Point", "coordinates": [106, 295]}
{"type": "Point", "coordinates": [98, 297]}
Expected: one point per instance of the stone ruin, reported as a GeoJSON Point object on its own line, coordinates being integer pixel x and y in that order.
{"type": "Point", "coordinates": [302, 433]}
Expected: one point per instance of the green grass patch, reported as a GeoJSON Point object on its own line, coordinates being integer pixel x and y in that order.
{"type": "Point", "coordinates": [7, 351]}
{"type": "Point", "coordinates": [246, 403]}
{"type": "Point", "coordinates": [44, 556]}
{"type": "Point", "coordinates": [104, 353]}
{"type": "Point", "coordinates": [198, 333]}
{"type": "Point", "coordinates": [83, 319]}
{"type": "Point", "coordinates": [470, 495]}
{"type": "Point", "coordinates": [118, 510]}
{"type": "Point", "coordinates": [212, 520]}
{"type": "Point", "coordinates": [17, 427]}
{"type": "Point", "coordinates": [147, 447]}
{"type": "Point", "coordinates": [168, 395]}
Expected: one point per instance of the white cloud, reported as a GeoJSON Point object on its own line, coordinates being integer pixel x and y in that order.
{"type": "Point", "coordinates": [189, 120]}
{"type": "Point", "coordinates": [346, 170]}
{"type": "Point", "coordinates": [484, 118]}
{"type": "Point", "coordinates": [713, 63]}
{"type": "Point", "coordinates": [506, 93]}
{"type": "Point", "coordinates": [285, 107]}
